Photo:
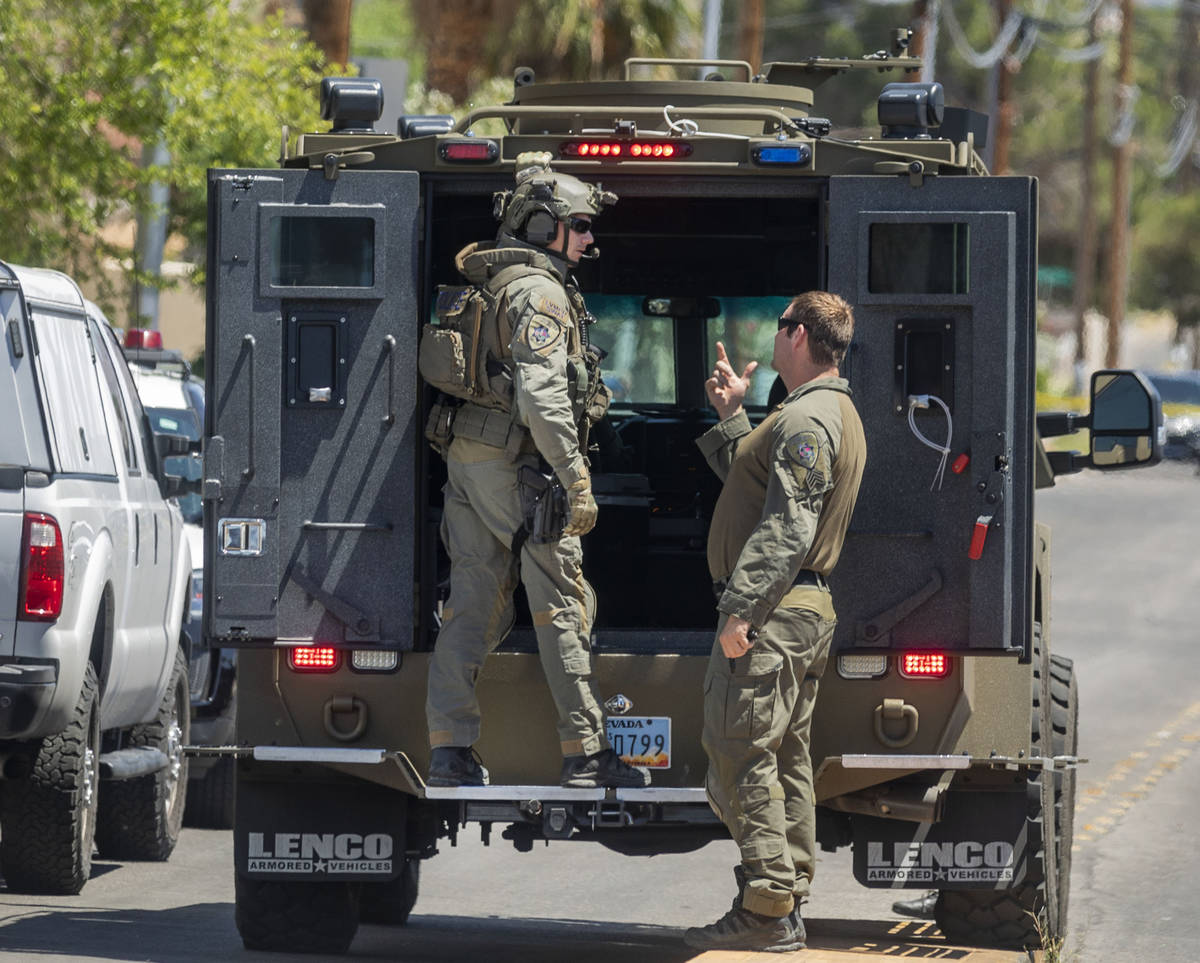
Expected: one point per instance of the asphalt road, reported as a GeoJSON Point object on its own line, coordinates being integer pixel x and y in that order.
{"type": "Point", "coordinates": [1127, 607]}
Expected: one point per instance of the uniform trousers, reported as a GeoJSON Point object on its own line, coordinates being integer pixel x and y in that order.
{"type": "Point", "coordinates": [757, 722]}
{"type": "Point", "coordinates": [482, 514]}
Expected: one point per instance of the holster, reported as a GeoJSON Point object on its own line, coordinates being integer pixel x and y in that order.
{"type": "Point", "coordinates": [544, 504]}
{"type": "Point", "coordinates": [439, 426]}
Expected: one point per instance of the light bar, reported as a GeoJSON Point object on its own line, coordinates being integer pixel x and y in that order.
{"type": "Point", "coordinates": [785, 154]}
{"type": "Point", "coordinates": [862, 666]}
{"type": "Point", "coordinates": [472, 151]}
{"type": "Point", "coordinates": [625, 150]}
{"type": "Point", "coordinates": [924, 665]}
{"type": "Point", "coordinates": [317, 658]}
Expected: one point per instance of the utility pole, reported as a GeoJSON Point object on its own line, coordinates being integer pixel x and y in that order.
{"type": "Point", "coordinates": [925, 36]}
{"type": "Point", "coordinates": [750, 34]}
{"type": "Point", "coordinates": [1118, 260]}
{"type": "Point", "coordinates": [1005, 67]}
{"type": "Point", "coordinates": [712, 30]}
{"type": "Point", "coordinates": [1086, 241]}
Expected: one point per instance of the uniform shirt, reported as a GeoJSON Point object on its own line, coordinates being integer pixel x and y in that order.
{"type": "Point", "coordinates": [790, 488]}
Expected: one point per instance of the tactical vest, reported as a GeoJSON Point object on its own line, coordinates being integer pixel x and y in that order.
{"type": "Point", "coordinates": [467, 354]}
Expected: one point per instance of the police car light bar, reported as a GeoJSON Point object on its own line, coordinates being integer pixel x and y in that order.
{"type": "Point", "coordinates": [315, 658]}
{"type": "Point", "coordinates": [924, 665]}
{"type": "Point", "coordinates": [625, 150]}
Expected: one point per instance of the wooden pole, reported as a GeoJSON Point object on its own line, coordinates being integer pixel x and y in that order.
{"type": "Point", "coordinates": [1118, 260]}
{"type": "Point", "coordinates": [1086, 242]}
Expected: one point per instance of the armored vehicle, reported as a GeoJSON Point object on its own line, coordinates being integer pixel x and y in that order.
{"type": "Point", "coordinates": [944, 737]}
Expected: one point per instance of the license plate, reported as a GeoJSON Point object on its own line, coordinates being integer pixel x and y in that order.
{"type": "Point", "coordinates": [641, 740]}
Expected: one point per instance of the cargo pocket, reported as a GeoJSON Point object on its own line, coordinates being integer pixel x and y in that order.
{"type": "Point", "coordinates": [757, 851]}
{"type": "Point", "coordinates": [752, 695]}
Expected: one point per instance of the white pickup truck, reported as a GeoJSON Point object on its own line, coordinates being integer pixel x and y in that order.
{"type": "Point", "coordinates": [94, 577]}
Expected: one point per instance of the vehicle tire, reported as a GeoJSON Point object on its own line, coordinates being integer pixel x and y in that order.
{"type": "Point", "coordinates": [390, 903]}
{"type": "Point", "coordinates": [48, 818]}
{"type": "Point", "coordinates": [1022, 917]}
{"type": "Point", "coordinates": [210, 797]}
{"type": "Point", "coordinates": [296, 917]}
{"type": "Point", "coordinates": [140, 818]}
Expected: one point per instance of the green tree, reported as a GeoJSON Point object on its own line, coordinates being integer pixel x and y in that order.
{"type": "Point", "coordinates": [1166, 259]}
{"type": "Point", "coordinates": [88, 82]}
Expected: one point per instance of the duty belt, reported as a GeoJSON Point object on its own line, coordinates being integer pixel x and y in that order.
{"type": "Point", "coordinates": [806, 576]}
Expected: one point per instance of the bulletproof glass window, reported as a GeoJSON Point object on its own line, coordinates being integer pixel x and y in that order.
{"type": "Point", "coordinates": [747, 328]}
{"type": "Point", "coordinates": [322, 252]}
{"type": "Point", "coordinates": [74, 403]}
{"type": "Point", "coordinates": [639, 367]}
{"type": "Point", "coordinates": [919, 258]}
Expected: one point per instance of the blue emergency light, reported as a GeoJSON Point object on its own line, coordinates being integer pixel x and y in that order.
{"type": "Point", "coordinates": [782, 154]}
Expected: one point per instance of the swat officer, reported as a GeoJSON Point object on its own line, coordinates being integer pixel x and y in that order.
{"type": "Point", "coordinates": [549, 390]}
{"type": "Point", "coordinates": [777, 531]}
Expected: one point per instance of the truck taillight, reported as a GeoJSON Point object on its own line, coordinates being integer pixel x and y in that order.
{"type": "Point", "coordinates": [41, 569]}
{"type": "Point", "coordinates": [924, 665]}
{"type": "Point", "coordinates": [315, 658]}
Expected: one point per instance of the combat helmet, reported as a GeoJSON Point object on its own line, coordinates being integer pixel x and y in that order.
{"type": "Point", "coordinates": [542, 198]}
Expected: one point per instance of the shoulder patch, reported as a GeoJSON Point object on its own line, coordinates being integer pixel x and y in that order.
{"type": "Point", "coordinates": [553, 308]}
{"type": "Point", "coordinates": [803, 448]}
{"type": "Point", "coordinates": [541, 333]}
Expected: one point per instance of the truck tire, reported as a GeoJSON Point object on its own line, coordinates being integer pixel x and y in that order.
{"type": "Point", "coordinates": [389, 904]}
{"type": "Point", "coordinates": [210, 797]}
{"type": "Point", "coordinates": [48, 818]}
{"type": "Point", "coordinates": [1021, 917]}
{"type": "Point", "coordinates": [140, 818]}
{"type": "Point", "coordinates": [296, 917]}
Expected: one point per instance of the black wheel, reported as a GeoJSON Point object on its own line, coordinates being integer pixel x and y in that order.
{"type": "Point", "coordinates": [210, 797]}
{"type": "Point", "coordinates": [391, 903]}
{"type": "Point", "coordinates": [296, 917]}
{"type": "Point", "coordinates": [1032, 912]}
{"type": "Point", "coordinates": [140, 818]}
{"type": "Point", "coordinates": [48, 818]}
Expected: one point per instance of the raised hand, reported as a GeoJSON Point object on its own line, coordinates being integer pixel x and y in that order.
{"type": "Point", "coordinates": [726, 389]}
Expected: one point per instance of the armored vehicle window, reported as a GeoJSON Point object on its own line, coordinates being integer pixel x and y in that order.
{"type": "Point", "coordinates": [323, 252]}
{"type": "Point", "coordinates": [747, 327]}
{"type": "Point", "coordinates": [911, 258]}
{"type": "Point", "coordinates": [640, 365]}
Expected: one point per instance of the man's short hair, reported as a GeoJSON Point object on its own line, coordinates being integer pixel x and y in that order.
{"type": "Point", "coordinates": [829, 321]}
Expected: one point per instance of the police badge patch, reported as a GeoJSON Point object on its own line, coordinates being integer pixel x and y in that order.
{"type": "Point", "coordinates": [541, 333]}
{"type": "Point", "coordinates": [803, 448]}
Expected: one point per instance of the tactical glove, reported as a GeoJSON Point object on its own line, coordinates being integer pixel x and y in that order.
{"type": "Point", "coordinates": [581, 507]}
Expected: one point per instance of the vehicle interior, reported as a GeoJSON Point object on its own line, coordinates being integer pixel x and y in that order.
{"type": "Point", "coordinates": [677, 273]}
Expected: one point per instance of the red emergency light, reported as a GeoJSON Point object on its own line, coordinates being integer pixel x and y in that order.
{"type": "Point", "coordinates": [924, 665]}
{"type": "Point", "coordinates": [143, 338]}
{"type": "Point", "coordinates": [469, 151]}
{"type": "Point", "coordinates": [316, 658]}
{"type": "Point", "coordinates": [624, 150]}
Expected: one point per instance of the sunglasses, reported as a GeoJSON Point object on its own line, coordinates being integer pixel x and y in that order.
{"type": "Point", "coordinates": [580, 225]}
{"type": "Point", "coordinates": [788, 323]}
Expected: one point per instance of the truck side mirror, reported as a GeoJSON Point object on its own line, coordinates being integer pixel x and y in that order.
{"type": "Point", "coordinates": [1126, 421]}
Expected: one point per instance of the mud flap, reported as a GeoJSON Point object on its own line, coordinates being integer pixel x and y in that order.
{"type": "Point", "coordinates": [979, 844]}
{"type": "Point", "coordinates": [313, 831]}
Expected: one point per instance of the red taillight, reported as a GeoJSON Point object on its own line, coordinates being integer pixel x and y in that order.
{"type": "Point", "coordinates": [317, 658]}
{"type": "Point", "coordinates": [42, 569]}
{"type": "Point", "coordinates": [924, 665]}
{"type": "Point", "coordinates": [143, 338]}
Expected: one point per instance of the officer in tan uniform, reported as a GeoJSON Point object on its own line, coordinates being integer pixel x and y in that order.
{"type": "Point", "coordinates": [777, 531]}
{"type": "Point", "coordinates": [544, 389]}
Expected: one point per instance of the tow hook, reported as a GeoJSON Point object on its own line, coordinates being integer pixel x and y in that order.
{"type": "Point", "coordinates": [896, 710]}
{"type": "Point", "coordinates": [345, 705]}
